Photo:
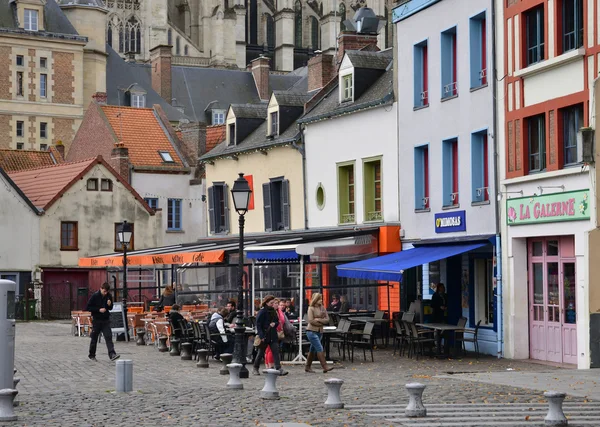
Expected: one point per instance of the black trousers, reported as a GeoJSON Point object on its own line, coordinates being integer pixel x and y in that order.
{"type": "Point", "coordinates": [101, 326]}
{"type": "Point", "coordinates": [261, 353]}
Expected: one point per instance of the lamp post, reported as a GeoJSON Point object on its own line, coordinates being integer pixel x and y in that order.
{"type": "Point", "coordinates": [124, 233]}
{"type": "Point", "coordinates": [241, 199]}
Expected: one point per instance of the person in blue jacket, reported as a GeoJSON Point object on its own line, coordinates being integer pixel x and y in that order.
{"type": "Point", "coordinates": [99, 305]}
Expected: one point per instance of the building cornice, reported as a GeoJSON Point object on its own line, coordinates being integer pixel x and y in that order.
{"type": "Point", "coordinates": [45, 36]}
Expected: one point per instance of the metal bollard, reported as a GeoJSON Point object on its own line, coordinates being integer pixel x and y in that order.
{"type": "Point", "coordinates": [141, 333]}
{"type": "Point", "coordinates": [124, 376]}
{"type": "Point", "coordinates": [202, 358]}
{"type": "Point", "coordinates": [7, 411]}
{"type": "Point", "coordinates": [162, 344]}
{"type": "Point", "coordinates": [556, 416]}
{"type": "Point", "coordinates": [15, 382]}
{"type": "Point", "coordinates": [234, 376]}
{"type": "Point", "coordinates": [226, 358]}
{"type": "Point", "coordinates": [186, 351]}
{"type": "Point", "coordinates": [269, 391]}
{"type": "Point", "coordinates": [175, 347]}
{"type": "Point", "coordinates": [415, 406]}
{"type": "Point", "coordinates": [334, 400]}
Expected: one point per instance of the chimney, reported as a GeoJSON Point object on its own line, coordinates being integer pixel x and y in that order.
{"type": "Point", "coordinates": [350, 40]}
{"type": "Point", "coordinates": [130, 57]}
{"type": "Point", "coordinates": [61, 149]}
{"type": "Point", "coordinates": [260, 72]}
{"type": "Point", "coordinates": [321, 70]}
{"type": "Point", "coordinates": [160, 59]}
{"type": "Point", "coordinates": [100, 98]}
{"type": "Point", "coordinates": [119, 157]}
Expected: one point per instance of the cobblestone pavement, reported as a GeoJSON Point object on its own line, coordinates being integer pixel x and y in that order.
{"type": "Point", "coordinates": [61, 387]}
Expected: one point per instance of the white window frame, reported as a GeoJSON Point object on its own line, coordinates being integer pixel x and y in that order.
{"type": "Point", "coordinates": [166, 157]}
{"type": "Point", "coordinates": [138, 100]}
{"type": "Point", "coordinates": [22, 133]}
{"type": "Point", "coordinates": [30, 18]}
{"type": "Point", "coordinates": [43, 85]}
{"type": "Point", "coordinates": [218, 117]}
{"type": "Point", "coordinates": [347, 89]}
{"type": "Point", "coordinates": [43, 62]}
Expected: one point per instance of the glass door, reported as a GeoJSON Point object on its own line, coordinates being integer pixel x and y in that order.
{"type": "Point", "coordinates": [569, 313]}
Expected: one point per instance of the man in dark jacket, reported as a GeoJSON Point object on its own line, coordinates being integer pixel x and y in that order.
{"type": "Point", "coordinates": [100, 305]}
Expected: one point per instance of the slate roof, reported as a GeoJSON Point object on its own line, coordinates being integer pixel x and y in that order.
{"type": "Point", "coordinates": [121, 75]}
{"type": "Point", "coordinates": [378, 94]}
{"type": "Point", "coordinates": [88, 3]}
{"type": "Point", "coordinates": [142, 133]}
{"type": "Point", "coordinates": [18, 160]}
{"type": "Point", "coordinates": [55, 20]}
{"type": "Point", "coordinates": [291, 99]}
{"type": "Point", "coordinates": [369, 60]}
{"type": "Point", "coordinates": [250, 111]}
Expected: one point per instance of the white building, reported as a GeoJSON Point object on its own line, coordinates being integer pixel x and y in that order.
{"type": "Point", "coordinates": [446, 153]}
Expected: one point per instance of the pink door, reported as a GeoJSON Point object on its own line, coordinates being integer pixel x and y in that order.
{"type": "Point", "coordinates": [553, 329]}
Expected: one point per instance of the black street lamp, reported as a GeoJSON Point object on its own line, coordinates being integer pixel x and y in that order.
{"type": "Point", "coordinates": [241, 199]}
{"type": "Point", "coordinates": [124, 233]}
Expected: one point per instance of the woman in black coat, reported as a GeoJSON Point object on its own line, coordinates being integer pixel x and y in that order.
{"type": "Point", "coordinates": [267, 321]}
{"type": "Point", "coordinates": [439, 302]}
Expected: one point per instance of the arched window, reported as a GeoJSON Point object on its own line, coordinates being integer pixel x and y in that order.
{"type": "Point", "coordinates": [109, 35]}
{"type": "Point", "coordinates": [252, 22]}
{"type": "Point", "coordinates": [177, 46]}
{"type": "Point", "coordinates": [270, 32]}
{"type": "Point", "coordinates": [298, 24]}
{"type": "Point", "coordinates": [314, 33]}
{"type": "Point", "coordinates": [115, 27]}
{"type": "Point", "coordinates": [133, 36]}
{"type": "Point", "coordinates": [342, 13]}
{"type": "Point", "coordinates": [170, 37]}
{"type": "Point", "coordinates": [185, 50]}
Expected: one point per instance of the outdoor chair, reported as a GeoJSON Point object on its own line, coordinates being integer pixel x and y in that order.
{"type": "Point", "coordinates": [400, 338]}
{"type": "Point", "coordinates": [363, 340]}
{"type": "Point", "coordinates": [472, 339]}
{"type": "Point", "coordinates": [417, 342]}
{"type": "Point", "coordinates": [341, 337]}
{"type": "Point", "coordinates": [408, 317]}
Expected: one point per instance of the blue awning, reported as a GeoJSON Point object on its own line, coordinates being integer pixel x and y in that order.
{"type": "Point", "coordinates": [389, 267]}
{"type": "Point", "coordinates": [273, 255]}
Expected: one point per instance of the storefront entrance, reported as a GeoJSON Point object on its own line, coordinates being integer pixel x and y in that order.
{"type": "Point", "coordinates": [552, 308]}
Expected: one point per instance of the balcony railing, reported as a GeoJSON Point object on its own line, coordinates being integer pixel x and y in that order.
{"type": "Point", "coordinates": [348, 218]}
{"type": "Point", "coordinates": [374, 216]}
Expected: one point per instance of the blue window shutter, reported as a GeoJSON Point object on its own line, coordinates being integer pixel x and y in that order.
{"type": "Point", "coordinates": [178, 215]}
{"type": "Point", "coordinates": [226, 204]}
{"type": "Point", "coordinates": [475, 47]}
{"type": "Point", "coordinates": [419, 178]}
{"type": "Point", "coordinates": [418, 74]}
{"type": "Point", "coordinates": [447, 172]}
{"type": "Point", "coordinates": [211, 209]}
{"type": "Point", "coordinates": [446, 47]}
{"type": "Point", "coordinates": [476, 167]}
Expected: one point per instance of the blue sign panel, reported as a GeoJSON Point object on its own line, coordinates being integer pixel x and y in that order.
{"type": "Point", "coordinates": [410, 8]}
{"type": "Point", "coordinates": [450, 222]}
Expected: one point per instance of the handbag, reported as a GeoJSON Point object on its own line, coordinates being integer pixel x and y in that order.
{"type": "Point", "coordinates": [280, 335]}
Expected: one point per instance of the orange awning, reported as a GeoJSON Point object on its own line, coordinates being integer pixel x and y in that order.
{"type": "Point", "coordinates": [206, 257]}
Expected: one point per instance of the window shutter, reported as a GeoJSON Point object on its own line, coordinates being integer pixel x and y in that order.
{"type": "Point", "coordinates": [211, 209]}
{"type": "Point", "coordinates": [285, 190]}
{"type": "Point", "coordinates": [267, 207]}
{"type": "Point", "coordinates": [226, 204]}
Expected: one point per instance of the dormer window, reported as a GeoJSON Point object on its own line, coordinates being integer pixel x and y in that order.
{"type": "Point", "coordinates": [231, 140]}
{"type": "Point", "coordinates": [166, 157]}
{"type": "Point", "coordinates": [31, 20]}
{"type": "Point", "coordinates": [274, 123]}
{"type": "Point", "coordinates": [218, 117]}
{"type": "Point", "coordinates": [138, 100]}
{"type": "Point", "coordinates": [347, 88]}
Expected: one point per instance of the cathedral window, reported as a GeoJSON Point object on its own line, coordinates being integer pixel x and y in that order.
{"type": "Point", "coordinates": [270, 32]}
{"type": "Point", "coordinates": [170, 37]}
{"type": "Point", "coordinates": [177, 50]}
{"type": "Point", "coordinates": [133, 36]}
{"type": "Point", "coordinates": [314, 33]}
{"type": "Point", "coordinates": [298, 24]}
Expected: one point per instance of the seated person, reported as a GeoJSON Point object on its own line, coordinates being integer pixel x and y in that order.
{"type": "Point", "coordinates": [335, 305]}
{"type": "Point", "coordinates": [230, 320]}
{"type": "Point", "coordinates": [216, 326]}
{"type": "Point", "coordinates": [174, 318]}
{"type": "Point", "coordinates": [344, 304]}
{"type": "Point", "coordinates": [290, 310]}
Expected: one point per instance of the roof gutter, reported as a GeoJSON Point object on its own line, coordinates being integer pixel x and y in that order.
{"type": "Point", "coordinates": [205, 159]}
{"type": "Point", "coordinates": [351, 109]}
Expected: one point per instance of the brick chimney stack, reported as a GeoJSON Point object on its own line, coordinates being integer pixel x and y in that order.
{"type": "Point", "coordinates": [61, 149]}
{"type": "Point", "coordinates": [119, 157]}
{"type": "Point", "coordinates": [160, 59]}
{"type": "Point", "coordinates": [100, 98]}
{"type": "Point", "coordinates": [260, 72]}
{"type": "Point", "coordinates": [321, 69]}
{"type": "Point", "coordinates": [350, 40]}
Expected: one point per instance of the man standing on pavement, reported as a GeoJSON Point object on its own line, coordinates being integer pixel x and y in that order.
{"type": "Point", "coordinates": [100, 305]}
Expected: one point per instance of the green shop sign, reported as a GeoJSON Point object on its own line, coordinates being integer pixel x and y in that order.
{"type": "Point", "coordinates": [555, 207]}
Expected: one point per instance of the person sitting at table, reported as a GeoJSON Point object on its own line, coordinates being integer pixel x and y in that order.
{"type": "Point", "coordinates": [230, 320]}
{"type": "Point", "coordinates": [335, 304]}
{"type": "Point", "coordinates": [185, 299]}
{"type": "Point", "coordinates": [344, 304]}
{"type": "Point", "coordinates": [290, 309]}
{"type": "Point", "coordinates": [439, 302]}
{"type": "Point", "coordinates": [216, 327]}
{"type": "Point", "coordinates": [174, 318]}
{"type": "Point", "coordinates": [167, 298]}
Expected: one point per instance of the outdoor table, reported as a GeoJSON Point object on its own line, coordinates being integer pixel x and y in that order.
{"type": "Point", "coordinates": [441, 329]}
{"type": "Point", "coordinates": [384, 322]}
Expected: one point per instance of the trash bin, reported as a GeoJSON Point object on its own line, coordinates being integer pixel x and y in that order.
{"type": "Point", "coordinates": [29, 314]}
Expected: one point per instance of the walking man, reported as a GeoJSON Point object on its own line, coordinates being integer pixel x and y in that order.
{"type": "Point", "coordinates": [100, 305]}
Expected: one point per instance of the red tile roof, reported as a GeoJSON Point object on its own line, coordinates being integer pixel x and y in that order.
{"type": "Point", "coordinates": [214, 136]}
{"type": "Point", "coordinates": [142, 133]}
{"type": "Point", "coordinates": [43, 185]}
{"type": "Point", "coordinates": [18, 160]}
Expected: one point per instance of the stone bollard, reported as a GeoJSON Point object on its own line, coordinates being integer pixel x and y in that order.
{"type": "Point", "coordinates": [334, 400]}
{"type": "Point", "coordinates": [269, 391]}
{"type": "Point", "coordinates": [234, 376]}
{"type": "Point", "coordinates": [175, 347]}
{"type": "Point", "coordinates": [141, 333]}
{"type": "Point", "coordinates": [15, 382]}
{"type": "Point", "coordinates": [124, 376]}
{"type": "Point", "coordinates": [186, 351]}
{"type": "Point", "coordinates": [202, 358]}
{"type": "Point", "coordinates": [556, 416]}
{"type": "Point", "coordinates": [7, 412]}
{"type": "Point", "coordinates": [226, 358]}
{"type": "Point", "coordinates": [415, 406]}
{"type": "Point", "coordinates": [162, 344]}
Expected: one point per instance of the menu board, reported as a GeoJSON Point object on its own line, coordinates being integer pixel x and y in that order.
{"type": "Point", "coordinates": [117, 318]}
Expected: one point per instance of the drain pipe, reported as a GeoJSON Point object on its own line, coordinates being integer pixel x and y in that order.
{"type": "Point", "coordinates": [498, 248]}
{"type": "Point", "coordinates": [302, 151]}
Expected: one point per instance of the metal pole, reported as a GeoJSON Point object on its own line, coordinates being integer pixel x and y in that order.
{"type": "Point", "coordinates": [300, 357]}
{"type": "Point", "coordinates": [239, 355]}
{"type": "Point", "coordinates": [125, 291]}
{"type": "Point", "coordinates": [253, 286]}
